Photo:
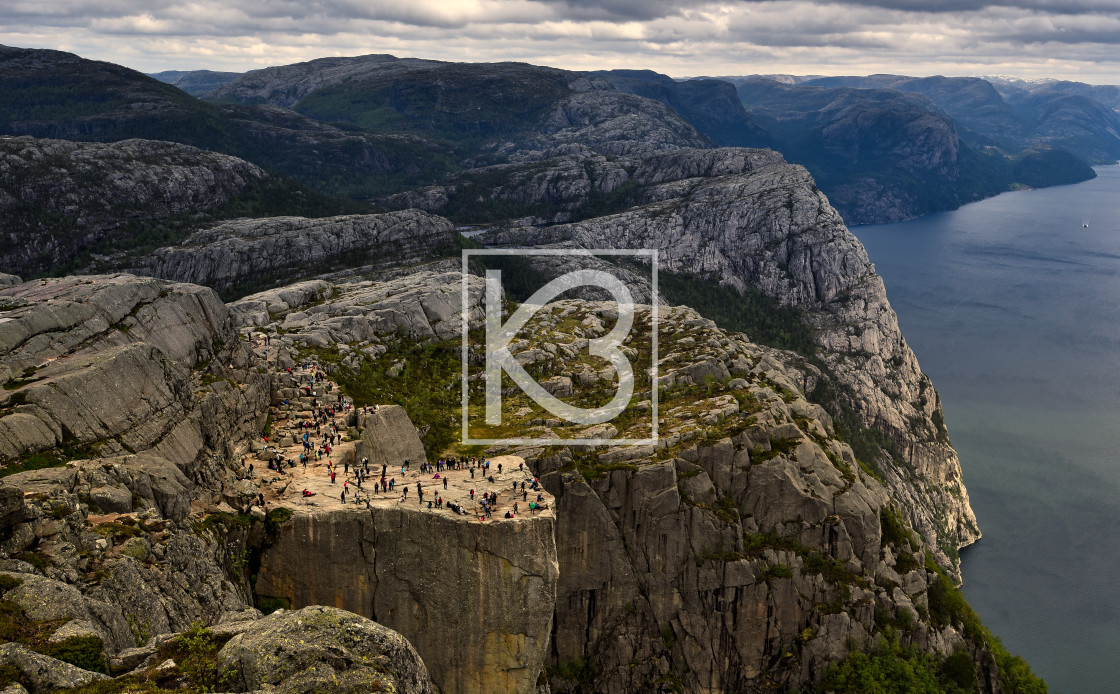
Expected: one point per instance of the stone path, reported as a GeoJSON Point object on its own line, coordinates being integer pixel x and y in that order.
{"type": "Point", "coordinates": [286, 489]}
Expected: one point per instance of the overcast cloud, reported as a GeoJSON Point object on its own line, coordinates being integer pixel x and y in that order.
{"type": "Point", "coordinates": [1073, 39]}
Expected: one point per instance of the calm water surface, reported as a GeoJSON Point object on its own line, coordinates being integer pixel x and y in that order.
{"type": "Point", "coordinates": [1013, 308]}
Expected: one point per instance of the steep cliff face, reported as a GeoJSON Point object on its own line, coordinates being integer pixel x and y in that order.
{"type": "Point", "coordinates": [854, 141]}
{"type": "Point", "coordinates": [248, 252]}
{"type": "Point", "coordinates": [59, 197]}
{"type": "Point", "coordinates": [475, 599]}
{"type": "Point", "coordinates": [769, 227]}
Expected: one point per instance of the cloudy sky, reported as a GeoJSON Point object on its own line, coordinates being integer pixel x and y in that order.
{"type": "Point", "coordinates": [1073, 39]}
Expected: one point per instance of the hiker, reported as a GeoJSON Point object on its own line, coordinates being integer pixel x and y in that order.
{"type": "Point", "coordinates": [445, 483]}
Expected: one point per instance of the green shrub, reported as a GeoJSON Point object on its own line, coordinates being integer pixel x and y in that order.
{"type": "Point", "coordinates": [894, 529]}
{"type": "Point", "coordinates": [268, 604]}
{"type": "Point", "coordinates": [889, 669]}
{"type": "Point", "coordinates": [195, 650]}
{"type": "Point", "coordinates": [279, 515]}
{"type": "Point", "coordinates": [86, 652]}
{"type": "Point", "coordinates": [775, 571]}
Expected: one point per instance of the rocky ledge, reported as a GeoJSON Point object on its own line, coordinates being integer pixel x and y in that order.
{"type": "Point", "coordinates": [255, 252]}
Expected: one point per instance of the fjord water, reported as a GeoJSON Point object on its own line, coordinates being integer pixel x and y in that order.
{"type": "Point", "coordinates": [1013, 308]}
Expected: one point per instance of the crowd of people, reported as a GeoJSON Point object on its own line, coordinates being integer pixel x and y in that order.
{"type": "Point", "coordinates": [321, 443]}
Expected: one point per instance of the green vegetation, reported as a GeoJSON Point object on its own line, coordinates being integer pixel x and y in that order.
{"type": "Point", "coordinates": [589, 465]}
{"type": "Point", "coordinates": [428, 387]}
{"type": "Point", "coordinates": [462, 106]}
{"type": "Point", "coordinates": [777, 447]}
{"type": "Point", "coordinates": [895, 531]}
{"type": "Point", "coordinates": [195, 651]}
{"type": "Point", "coordinates": [15, 626]}
{"type": "Point", "coordinates": [762, 319]}
{"type": "Point", "coordinates": [948, 607]}
{"type": "Point", "coordinates": [268, 605]}
{"type": "Point", "coordinates": [1048, 166]}
{"type": "Point", "coordinates": [895, 669]}
{"type": "Point", "coordinates": [775, 571]}
{"type": "Point", "coordinates": [279, 515]}
{"type": "Point", "coordinates": [755, 544]}
{"type": "Point", "coordinates": [54, 457]}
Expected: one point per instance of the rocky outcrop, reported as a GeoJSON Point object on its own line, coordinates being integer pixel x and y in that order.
{"type": "Point", "coordinates": [322, 649]}
{"type": "Point", "coordinates": [43, 673]}
{"type": "Point", "coordinates": [424, 305]}
{"type": "Point", "coordinates": [60, 197]}
{"type": "Point", "coordinates": [104, 364]}
{"type": "Point", "coordinates": [561, 186]}
{"type": "Point", "coordinates": [473, 598]}
{"type": "Point", "coordinates": [772, 229]}
{"type": "Point", "coordinates": [249, 252]}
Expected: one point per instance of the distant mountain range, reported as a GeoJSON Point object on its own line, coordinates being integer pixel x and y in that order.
{"type": "Point", "coordinates": [880, 156]}
{"type": "Point", "coordinates": [883, 147]}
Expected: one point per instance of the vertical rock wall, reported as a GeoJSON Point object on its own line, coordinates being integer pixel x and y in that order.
{"type": "Point", "coordinates": [475, 599]}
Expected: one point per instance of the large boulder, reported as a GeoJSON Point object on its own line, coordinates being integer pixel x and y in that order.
{"type": "Point", "coordinates": [43, 673]}
{"type": "Point", "coordinates": [323, 650]}
{"type": "Point", "coordinates": [389, 437]}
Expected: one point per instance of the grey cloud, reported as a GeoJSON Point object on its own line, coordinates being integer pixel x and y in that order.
{"type": "Point", "coordinates": [673, 36]}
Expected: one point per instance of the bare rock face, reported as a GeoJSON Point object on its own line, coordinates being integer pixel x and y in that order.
{"type": "Point", "coordinates": [12, 508]}
{"type": "Point", "coordinates": [106, 361]}
{"type": "Point", "coordinates": [389, 437]}
{"type": "Point", "coordinates": [475, 599]}
{"type": "Point", "coordinates": [745, 551]}
{"type": "Point", "coordinates": [422, 305]}
{"type": "Point", "coordinates": [248, 251]}
{"type": "Point", "coordinates": [323, 649]}
{"type": "Point", "coordinates": [98, 368]}
{"type": "Point", "coordinates": [59, 196]}
{"type": "Point", "coordinates": [769, 227]}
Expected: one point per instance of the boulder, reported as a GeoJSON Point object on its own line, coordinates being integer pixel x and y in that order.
{"type": "Point", "coordinates": [325, 650]}
{"type": "Point", "coordinates": [45, 673]}
{"type": "Point", "coordinates": [389, 437]}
